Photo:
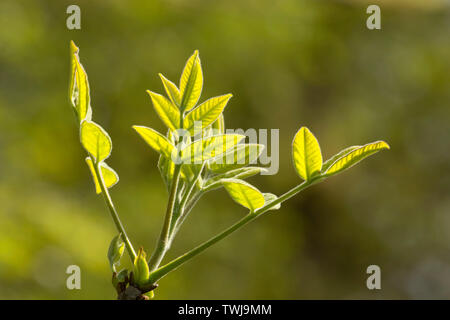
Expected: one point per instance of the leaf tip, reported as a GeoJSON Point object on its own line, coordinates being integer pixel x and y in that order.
{"type": "Point", "coordinates": [385, 145]}
{"type": "Point", "coordinates": [73, 47]}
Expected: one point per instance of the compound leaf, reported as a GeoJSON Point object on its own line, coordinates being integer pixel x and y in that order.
{"type": "Point", "coordinates": [244, 193]}
{"type": "Point", "coordinates": [306, 154]}
{"type": "Point", "coordinates": [95, 140]}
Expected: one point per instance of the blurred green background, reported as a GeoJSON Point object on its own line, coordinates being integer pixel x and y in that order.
{"type": "Point", "coordinates": [288, 63]}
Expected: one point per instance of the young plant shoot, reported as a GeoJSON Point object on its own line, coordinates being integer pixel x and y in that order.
{"type": "Point", "coordinates": [195, 156]}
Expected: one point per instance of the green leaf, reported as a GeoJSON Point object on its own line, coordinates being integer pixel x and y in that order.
{"type": "Point", "coordinates": [206, 113]}
{"type": "Point", "coordinates": [141, 271]}
{"type": "Point", "coordinates": [205, 149]}
{"type": "Point", "coordinates": [156, 140]}
{"type": "Point", "coordinates": [172, 91]}
{"type": "Point", "coordinates": [218, 126]}
{"type": "Point", "coordinates": [269, 197]}
{"type": "Point", "coordinates": [115, 251]}
{"type": "Point", "coordinates": [79, 86]}
{"type": "Point", "coordinates": [244, 193]}
{"type": "Point", "coordinates": [338, 155]}
{"type": "Point", "coordinates": [306, 154]}
{"type": "Point", "coordinates": [95, 140]}
{"type": "Point", "coordinates": [242, 173]}
{"type": "Point", "coordinates": [355, 156]}
{"type": "Point", "coordinates": [110, 177]}
{"type": "Point", "coordinates": [238, 157]}
{"type": "Point", "coordinates": [219, 144]}
{"type": "Point", "coordinates": [191, 82]}
{"type": "Point", "coordinates": [73, 64]}
{"type": "Point", "coordinates": [166, 110]}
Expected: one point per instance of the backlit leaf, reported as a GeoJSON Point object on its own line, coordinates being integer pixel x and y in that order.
{"type": "Point", "coordinates": [218, 126]}
{"type": "Point", "coordinates": [306, 154]}
{"type": "Point", "coordinates": [110, 177]}
{"type": "Point", "coordinates": [244, 193]}
{"type": "Point", "coordinates": [191, 82]}
{"type": "Point", "coordinates": [155, 140]}
{"type": "Point", "coordinates": [338, 155]}
{"type": "Point", "coordinates": [356, 156]}
{"type": "Point", "coordinates": [95, 140]}
{"type": "Point", "coordinates": [73, 64]}
{"type": "Point", "coordinates": [79, 86]}
{"type": "Point", "coordinates": [205, 149]}
{"type": "Point", "coordinates": [242, 173]}
{"type": "Point", "coordinates": [172, 91]}
{"type": "Point", "coordinates": [166, 110]}
{"type": "Point", "coordinates": [240, 156]}
{"type": "Point", "coordinates": [206, 113]}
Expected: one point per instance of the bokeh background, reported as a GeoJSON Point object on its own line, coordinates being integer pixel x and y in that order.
{"type": "Point", "coordinates": [288, 63]}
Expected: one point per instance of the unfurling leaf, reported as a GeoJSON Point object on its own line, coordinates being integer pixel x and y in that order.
{"type": "Point", "coordinates": [95, 140]}
{"type": "Point", "coordinates": [166, 110]}
{"type": "Point", "coordinates": [240, 156]}
{"type": "Point", "coordinates": [172, 91]}
{"type": "Point", "coordinates": [141, 271]}
{"type": "Point", "coordinates": [73, 65]}
{"type": "Point", "coordinates": [206, 113]}
{"type": "Point", "coordinates": [155, 140]}
{"type": "Point", "coordinates": [115, 251]}
{"type": "Point", "coordinates": [79, 86]}
{"type": "Point", "coordinates": [269, 197]}
{"type": "Point", "coordinates": [306, 154]}
{"type": "Point", "coordinates": [355, 156]}
{"type": "Point", "coordinates": [110, 177]}
{"type": "Point", "coordinates": [244, 193]}
{"type": "Point", "coordinates": [191, 82]}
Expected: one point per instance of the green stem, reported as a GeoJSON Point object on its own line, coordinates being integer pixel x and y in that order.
{"type": "Point", "coordinates": [186, 210]}
{"type": "Point", "coordinates": [162, 271]}
{"type": "Point", "coordinates": [163, 242]}
{"type": "Point", "coordinates": [113, 211]}
{"type": "Point", "coordinates": [183, 202]}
